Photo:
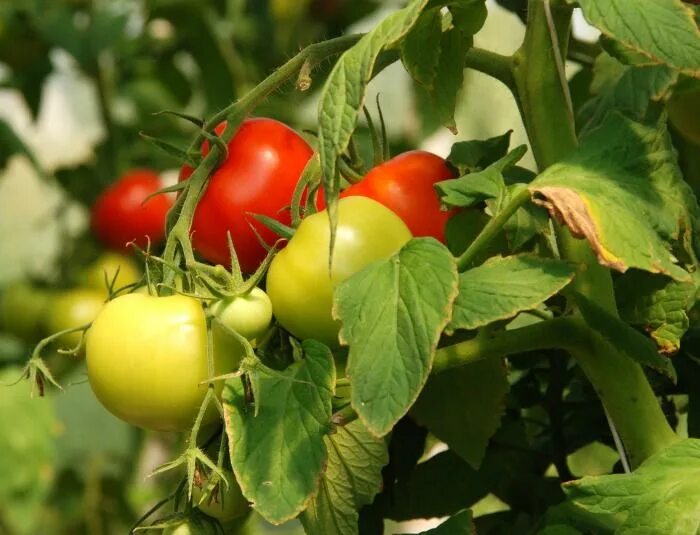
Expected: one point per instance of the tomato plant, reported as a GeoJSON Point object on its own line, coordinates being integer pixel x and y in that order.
{"type": "Point", "coordinates": [122, 214]}
{"type": "Point", "coordinates": [147, 357]}
{"type": "Point", "coordinates": [265, 160]}
{"type": "Point", "coordinates": [684, 110]}
{"type": "Point", "coordinates": [404, 184]}
{"type": "Point", "coordinates": [299, 283]}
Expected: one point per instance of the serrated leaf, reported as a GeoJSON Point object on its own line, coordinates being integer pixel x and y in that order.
{"type": "Point", "coordinates": [393, 313]}
{"type": "Point", "coordinates": [622, 191]}
{"type": "Point", "coordinates": [460, 524]}
{"type": "Point", "coordinates": [344, 93]}
{"type": "Point", "coordinates": [661, 497]}
{"type": "Point", "coordinates": [525, 223]}
{"type": "Point", "coordinates": [352, 478]}
{"type": "Point", "coordinates": [463, 408]}
{"type": "Point", "coordinates": [470, 156]}
{"type": "Point", "coordinates": [503, 287]}
{"type": "Point", "coordinates": [454, 45]}
{"type": "Point", "coordinates": [623, 337]}
{"type": "Point", "coordinates": [420, 50]}
{"type": "Point", "coordinates": [628, 90]}
{"type": "Point", "coordinates": [662, 30]}
{"type": "Point", "coordinates": [657, 304]}
{"type": "Point", "coordinates": [468, 15]}
{"type": "Point", "coordinates": [278, 456]}
{"type": "Point", "coordinates": [475, 187]}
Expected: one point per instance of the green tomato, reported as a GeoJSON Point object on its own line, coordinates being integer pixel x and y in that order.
{"type": "Point", "coordinates": [72, 308]}
{"type": "Point", "coordinates": [110, 264]}
{"type": "Point", "coordinates": [225, 503]}
{"type": "Point", "coordinates": [249, 315]}
{"type": "Point", "coordinates": [22, 310]}
{"type": "Point", "coordinates": [684, 110]}
{"type": "Point", "coordinates": [194, 526]}
{"type": "Point", "coordinates": [299, 283]}
{"type": "Point", "coordinates": [147, 357]}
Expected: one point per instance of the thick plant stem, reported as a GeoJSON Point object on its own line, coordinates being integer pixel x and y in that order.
{"type": "Point", "coordinates": [545, 106]}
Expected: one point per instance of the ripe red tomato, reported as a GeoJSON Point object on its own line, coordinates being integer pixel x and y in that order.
{"type": "Point", "coordinates": [265, 160]}
{"type": "Point", "coordinates": [120, 214]}
{"type": "Point", "coordinates": [404, 184]}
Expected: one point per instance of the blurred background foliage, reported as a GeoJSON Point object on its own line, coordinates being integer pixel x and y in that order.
{"type": "Point", "coordinates": [79, 81]}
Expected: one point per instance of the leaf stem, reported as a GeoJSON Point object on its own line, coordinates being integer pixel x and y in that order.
{"type": "Point", "coordinates": [491, 230]}
{"type": "Point", "coordinates": [492, 64]}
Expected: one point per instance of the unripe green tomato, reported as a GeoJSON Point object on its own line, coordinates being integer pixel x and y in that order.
{"type": "Point", "coordinates": [299, 283]}
{"type": "Point", "coordinates": [69, 309]}
{"type": "Point", "coordinates": [684, 110]}
{"type": "Point", "coordinates": [226, 503]}
{"type": "Point", "coordinates": [191, 527]}
{"type": "Point", "coordinates": [249, 315]}
{"type": "Point", "coordinates": [110, 264]}
{"type": "Point", "coordinates": [147, 358]}
{"type": "Point", "coordinates": [23, 310]}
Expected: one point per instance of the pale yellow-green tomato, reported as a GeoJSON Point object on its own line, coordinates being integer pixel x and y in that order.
{"type": "Point", "coordinates": [73, 308]}
{"type": "Point", "coordinates": [23, 310]}
{"type": "Point", "coordinates": [249, 315]}
{"type": "Point", "coordinates": [111, 264]}
{"type": "Point", "coordinates": [147, 358]}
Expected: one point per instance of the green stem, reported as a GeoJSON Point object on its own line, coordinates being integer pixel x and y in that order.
{"type": "Point", "coordinates": [545, 106]}
{"type": "Point", "coordinates": [491, 230]}
{"type": "Point", "coordinates": [558, 333]}
{"type": "Point", "coordinates": [495, 65]}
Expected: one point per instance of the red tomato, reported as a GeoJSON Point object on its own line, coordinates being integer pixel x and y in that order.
{"type": "Point", "coordinates": [404, 184]}
{"type": "Point", "coordinates": [120, 214]}
{"type": "Point", "coordinates": [265, 160]}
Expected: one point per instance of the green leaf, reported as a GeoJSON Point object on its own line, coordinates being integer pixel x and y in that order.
{"type": "Point", "coordinates": [622, 190]}
{"type": "Point", "coordinates": [278, 456]}
{"type": "Point", "coordinates": [11, 144]}
{"type": "Point", "coordinates": [623, 337]}
{"type": "Point", "coordinates": [503, 287]}
{"type": "Point", "coordinates": [421, 49]}
{"type": "Point", "coordinates": [657, 304]}
{"type": "Point", "coordinates": [460, 524]}
{"type": "Point", "coordinates": [397, 309]}
{"type": "Point", "coordinates": [28, 452]}
{"type": "Point", "coordinates": [352, 478]}
{"type": "Point", "coordinates": [662, 30]}
{"type": "Point", "coordinates": [629, 90]}
{"type": "Point", "coordinates": [661, 497]}
{"type": "Point", "coordinates": [344, 92]}
{"type": "Point", "coordinates": [463, 408]}
{"type": "Point", "coordinates": [478, 186]}
{"type": "Point", "coordinates": [474, 155]}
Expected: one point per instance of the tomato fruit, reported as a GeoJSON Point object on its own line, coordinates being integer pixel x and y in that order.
{"type": "Point", "coordinates": [69, 309]}
{"type": "Point", "coordinates": [120, 214]}
{"type": "Point", "coordinates": [108, 265]}
{"type": "Point", "coordinates": [193, 526]}
{"type": "Point", "coordinates": [298, 281]}
{"type": "Point", "coordinates": [264, 163]}
{"type": "Point", "coordinates": [249, 315]}
{"type": "Point", "coordinates": [146, 357]}
{"type": "Point", "coordinates": [225, 503]}
{"type": "Point", "coordinates": [684, 110]}
{"type": "Point", "coordinates": [404, 184]}
{"type": "Point", "coordinates": [22, 310]}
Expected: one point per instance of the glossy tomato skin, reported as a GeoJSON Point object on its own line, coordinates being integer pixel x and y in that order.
{"type": "Point", "coordinates": [405, 184]}
{"type": "Point", "coordinates": [146, 357]}
{"type": "Point", "coordinates": [249, 315]}
{"type": "Point", "coordinates": [298, 281]}
{"type": "Point", "coordinates": [264, 163]}
{"type": "Point", "coordinates": [120, 214]}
